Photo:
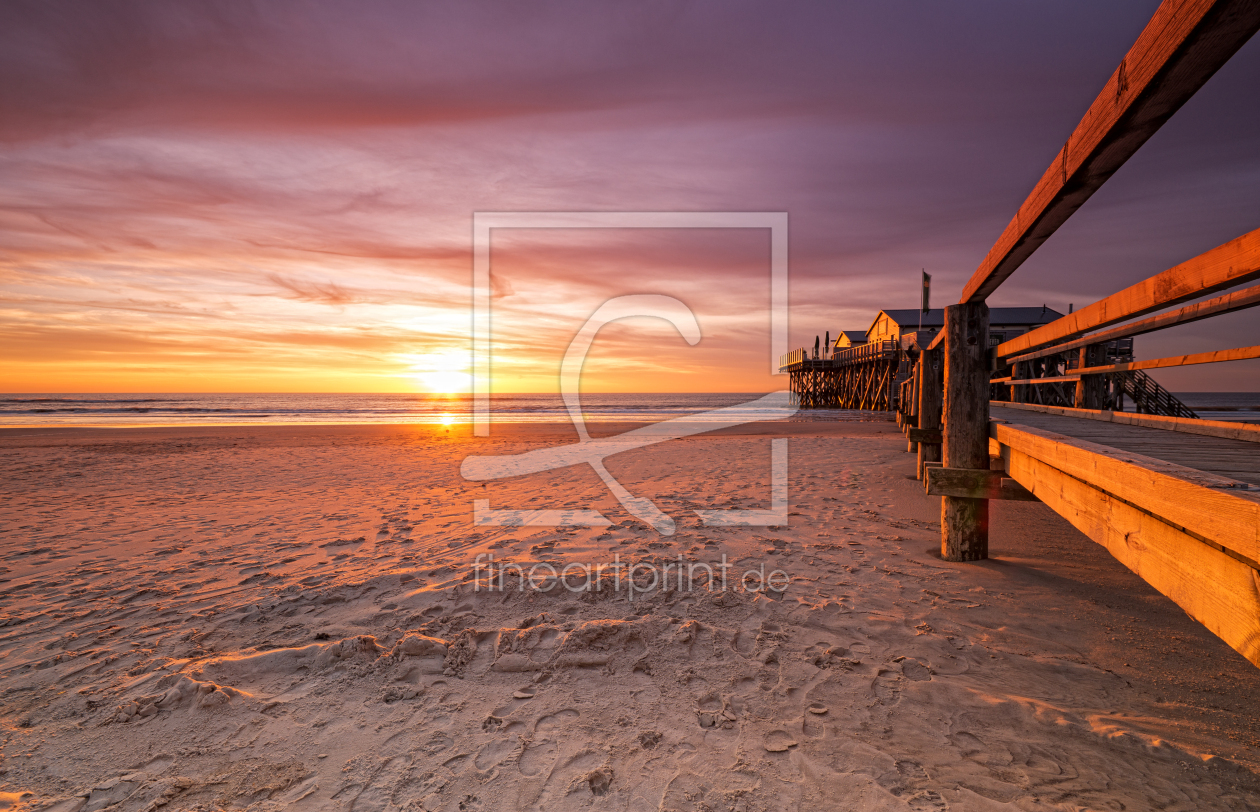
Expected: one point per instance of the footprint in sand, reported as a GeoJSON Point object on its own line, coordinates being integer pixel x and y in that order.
{"type": "Point", "coordinates": [495, 753]}
{"type": "Point", "coordinates": [537, 757]}
{"type": "Point", "coordinates": [902, 783]}
{"type": "Point", "coordinates": [744, 642]}
{"type": "Point", "coordinates": [925, 800]}
{"type": "Point", "coordinates": [709, 711]}
{"type": "Point", "coordinates": [555, 720]}
{"type": "Point", "coordinates": [812, 724]}
{"type": "Point", "coordinates": [778, 741]}
{"type": "Point", "coordinates": [916, 670]}
{"type": "Point", "coordinates": [379, 791]}
{"type": "Point", "coordinates": [887, 687]}
{"type": "Point", "coordinates": [457, 764]}
{"type": "Point", "coordinates": [584, 768]}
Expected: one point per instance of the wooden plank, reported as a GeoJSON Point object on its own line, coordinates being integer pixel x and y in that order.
{"type": "Point", "coordinates": [974, 483]}
{"type": "Point", "coordinates": [1184, 43]}
{"type": "Point", "coordinates": [1219, 356]}
{"type": "Point", "coordinates": [1216, 508]}
{"type": "Point", "coordinates": [1036, 381]}
{"type": "Point", "coordinates": [1249, 432]}
{"type": "Point", "coordinates": [924, 435]}
{"type": "Point", "coordinates": [1238, 300]}
{"type": "Point", "coordinates": [965, 440]}
{"type": "Point", "coordinates": [1226, 266]}
{"type": "Point", "coordinates": [1215, 589]}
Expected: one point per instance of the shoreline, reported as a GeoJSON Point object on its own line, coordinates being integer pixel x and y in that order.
{"type": "Point", "coordinates": [463, 431]}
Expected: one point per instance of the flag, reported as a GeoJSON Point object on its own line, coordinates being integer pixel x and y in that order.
{"type": "Point", "coordinates": [927, 291]}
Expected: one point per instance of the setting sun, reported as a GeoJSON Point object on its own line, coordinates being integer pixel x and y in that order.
{"type": "Point", "coordinates": [443, 372]}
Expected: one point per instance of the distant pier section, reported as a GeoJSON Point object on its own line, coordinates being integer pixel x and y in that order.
{"type": "Point", "coordinates": [873, 370]}
{"type": "Point", "coordinates": [861, 377]}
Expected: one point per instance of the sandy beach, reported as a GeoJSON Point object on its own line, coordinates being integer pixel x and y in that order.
{"type": "Point", "coordinates": [287, 618]}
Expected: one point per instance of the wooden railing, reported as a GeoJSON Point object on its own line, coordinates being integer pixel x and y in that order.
{"type": "Point", "coordinates": [1192, 535]}
{"type": "Point", "coordinates": [1182, 46]}
{"type": "Point", "coordinates": [792, 358]}
{"type": "Point", "coordinates": [863, 353]}
{"type": "Point", "coordinates": [1023, 360]}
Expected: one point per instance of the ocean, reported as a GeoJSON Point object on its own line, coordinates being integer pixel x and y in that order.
{"type": "Point", "coordinates": [1238, 406]}
{"type": "Point", "coordinates": [297, 409]}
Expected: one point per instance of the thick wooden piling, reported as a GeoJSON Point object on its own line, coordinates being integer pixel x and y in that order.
{"type": "Point", "coordinates": [964, 521]}
{"type": "Point", "coordinates": [911, 407]}
{"type": "Point", "coordinates": [929, 411]}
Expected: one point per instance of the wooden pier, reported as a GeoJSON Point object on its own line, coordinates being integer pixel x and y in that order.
{"type": "Point", "coordinates": [862, 377]}
{"type": "Point", "coordinates": [1174, 498]}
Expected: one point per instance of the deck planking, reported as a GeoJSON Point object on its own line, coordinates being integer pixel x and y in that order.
{"type": "Point", "coordinates": [1236, 459]}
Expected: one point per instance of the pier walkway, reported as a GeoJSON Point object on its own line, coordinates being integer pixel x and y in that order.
{"type": "Point", "coordinates": [1235, 459]}
{"type": "Point", "coordinates": [1037, 415]}
{"type": "Point", "coordinates": [1173, 498]}
{"type": "Point", "coordinates": [1179, 506]}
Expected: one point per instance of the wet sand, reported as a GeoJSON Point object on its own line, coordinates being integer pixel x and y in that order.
{"type": "Point", "coordinates": [285, 618]}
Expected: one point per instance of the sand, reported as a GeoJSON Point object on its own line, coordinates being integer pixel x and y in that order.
{"type": "Point", "coordinates": [285, 618]}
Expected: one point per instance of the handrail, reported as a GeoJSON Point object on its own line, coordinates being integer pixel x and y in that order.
{"type": "Point", "coordinates": [1104, 492]}
{"type": "Point", "coordinates": [864, 352]}
{"type": "Point", "coordinates": [870, 351]}
{"type": "Point", "coordinates": [1234, 263]}
{"type": "Point", "coordinates": [1185, 42]}
{"type": "Point", "coordinates": [1238, 300]}
{"type": "Point", "coordinates": [1216, 357]}
{"type": "Point", "coordinates": [794, 357]}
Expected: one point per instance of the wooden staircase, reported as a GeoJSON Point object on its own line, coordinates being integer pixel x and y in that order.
{"type": "Point", "coordinates": [1147, 395]}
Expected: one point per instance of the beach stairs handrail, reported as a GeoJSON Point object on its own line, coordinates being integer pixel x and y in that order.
{"type": "Point", "coordinates": [1149, 397]}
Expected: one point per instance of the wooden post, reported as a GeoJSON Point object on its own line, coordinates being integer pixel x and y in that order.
{"type": "Point", "coordinates": [929, 416]}
{"type": "Point", "coordinates": [965, 522]}
{"type": "Point", "coordinates": [1089, 389]}
{"type": "Point", "coordinates": [911, 407]}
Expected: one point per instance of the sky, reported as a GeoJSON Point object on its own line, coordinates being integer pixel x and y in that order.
{"type": "Point", "coordinates": [243, 196]}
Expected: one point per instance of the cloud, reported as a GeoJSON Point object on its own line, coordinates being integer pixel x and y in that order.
{"type": "Point", "coordinates": [329, 293]}
{"type": "Point", "coordinates": [315, 167]}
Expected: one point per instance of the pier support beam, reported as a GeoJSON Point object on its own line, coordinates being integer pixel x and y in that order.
{"type": "Point", "coordinates": [911, 407]}
{"type": "Point", "coordinates": [1091, 389]}
{"type": "Point", "coordinates": [965, 522]}
{"type": "Point", "coordinates": [929, 412]}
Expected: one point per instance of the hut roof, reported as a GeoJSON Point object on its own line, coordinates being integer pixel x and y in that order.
{"type": "Point", "coordinates": [1022, 316]}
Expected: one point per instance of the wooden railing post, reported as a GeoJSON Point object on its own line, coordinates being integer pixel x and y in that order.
{"type": "Point", "coordinates": [1089, 389]}
{"type": "Point", "coordinates": [965, 522]}
{"type": "Point", "coordinates": [929, 391]}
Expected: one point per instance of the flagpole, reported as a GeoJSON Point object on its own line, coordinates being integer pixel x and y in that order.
{"type": "Point", "coordinates": [926, 304]}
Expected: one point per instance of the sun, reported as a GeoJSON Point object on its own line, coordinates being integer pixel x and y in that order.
{"type": "Point", "coordinates": [444, 382]}
{"type": "Point", "coordinates": [444, 372]}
